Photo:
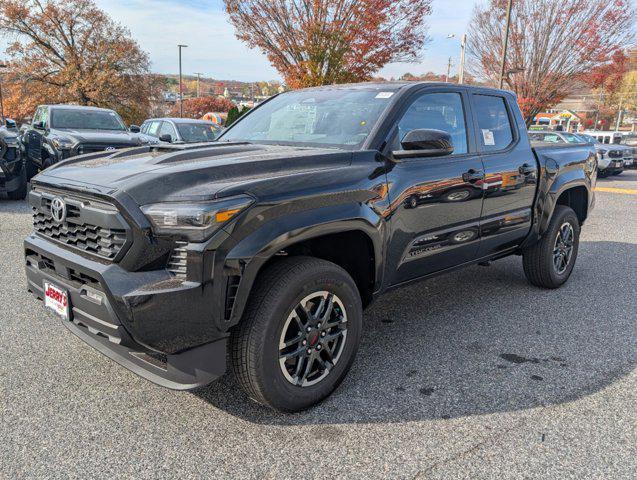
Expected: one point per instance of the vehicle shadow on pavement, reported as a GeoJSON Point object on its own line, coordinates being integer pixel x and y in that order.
{"type": "Point", "coordinates": [479, 341]}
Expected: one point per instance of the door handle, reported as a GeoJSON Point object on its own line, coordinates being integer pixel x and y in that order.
{"type": "Point", "coordinates": [526, 169]}
{"type": "Point", "coordinates": [472, 175]}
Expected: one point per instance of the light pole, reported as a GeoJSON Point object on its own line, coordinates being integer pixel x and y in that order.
{"type": "Point", "coordinates": [181, 90]}
{"type": "Point", "coordinates": [448, 70]}
{"type": "Point", "coordinates": [463, 46]}
{"type": "Point", "coordinates": [2, 66]}
{"type": "Point", "coordinates": [198, 78]}
{"type": "Point", "coordinates": [505, 44]}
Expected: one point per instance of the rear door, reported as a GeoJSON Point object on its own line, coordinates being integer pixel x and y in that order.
{"type": "Point", "coordinates": [510, 172]}
{"type": "Point", "coordinates": [436, 202]}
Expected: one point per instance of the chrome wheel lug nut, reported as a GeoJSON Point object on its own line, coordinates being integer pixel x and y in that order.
{"type": "Point", "coordinates": [318, 347]}
{"type": "Point", "coordinates": [309, 351]}
{"type": "Point", "coordinates": [308, 329]}
{"type": "Point", "coordinates": [318, 325]}
{"type": "Point", "coordinates": [322, 334]}
{"type": "Point", "coordinates": [304, 342]}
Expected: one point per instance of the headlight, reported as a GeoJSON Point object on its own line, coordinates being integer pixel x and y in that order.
{"type": "Point", "coordinates": [61, 142]}
{"type": "Point", "coordinates": [195, 221]}
{"type": "Point", "coordinates": [11, 141]}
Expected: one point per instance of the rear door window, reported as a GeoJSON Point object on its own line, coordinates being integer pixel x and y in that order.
{"type": "Point", "coordinates": [494, 125]}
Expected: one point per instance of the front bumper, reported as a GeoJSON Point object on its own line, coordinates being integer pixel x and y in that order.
{"type": "Point", "coordinates": [613, 167]}
{"type": "Point", "coordinates": [134, 318]}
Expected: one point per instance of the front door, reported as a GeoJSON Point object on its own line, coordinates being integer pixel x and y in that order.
{"type": "Point", "coordinates": [34, 137]}
{"type": "Point", "coordinates": [436, 202]}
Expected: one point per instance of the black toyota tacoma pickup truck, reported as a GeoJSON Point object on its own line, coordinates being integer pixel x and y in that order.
{"type": "Point", "coordinates": [58, 132]}
{"type": "Point", "coordinates": [265, 247]}
{"type": "Point", "coordinates": [13, 178]}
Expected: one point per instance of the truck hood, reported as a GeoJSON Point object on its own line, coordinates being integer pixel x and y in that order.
{"type": "Point", "coordinates": [117, 138]}
{"type": "Point", "coordinates": [200, 172]}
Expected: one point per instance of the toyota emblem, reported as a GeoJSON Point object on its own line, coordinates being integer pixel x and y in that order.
{"type": "Point", "coordinates": [109, 149]}
{"type": "Point", "coordinates": [58, 209]}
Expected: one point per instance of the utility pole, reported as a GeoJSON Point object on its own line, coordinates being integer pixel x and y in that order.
{"type": "Point", "coordinates": [505, 43]}
{"type": "Point", "coordinates": [599, 103]}
{"type": "Point", "coordinates": [619, 113]}
{"type": "Point", "coordinates": [2, 66]}
{"type": "Point", "coordinates": [198, 78]}
{"type": "Point", "coordinates": [181, 90]}
{"type": "Point", "coordinates": [463, 46]}
{"type": "Point", "coordinates": [448, 70]}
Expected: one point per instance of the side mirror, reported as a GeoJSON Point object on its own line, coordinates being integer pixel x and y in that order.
{"type": "Point", "coordinates": [9, 123]}
{"type": "Point", "coordinates": [166, 137]}
{"type": "Point", "coordinates": [134, 129]}
{"type": "Point", "coordinates": [38, 125]}
{"type": "Point", "coordinates": [425, 143]}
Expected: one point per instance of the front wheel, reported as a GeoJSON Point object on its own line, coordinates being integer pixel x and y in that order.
{"type": "Point", "coordinates": [299, 333]}
{"type": "Point", "coordinates": [549, 262]}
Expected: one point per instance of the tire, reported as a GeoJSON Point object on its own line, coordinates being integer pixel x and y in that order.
{"type": "Point", "coordinates": [256, 341]}
{"type": "Point", "coordinates": [32, 169]}
{"type": "Point", "coordinates": [538, 260]}
{"type": "Point", "coordinates": [21, 192]}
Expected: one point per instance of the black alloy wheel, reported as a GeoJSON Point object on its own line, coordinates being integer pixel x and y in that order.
{"type": "Point", "coordinates": [312, 339]}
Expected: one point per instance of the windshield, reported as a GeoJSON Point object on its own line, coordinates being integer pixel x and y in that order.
{"type": "Point", "coordinates": [197, 132]}
{"type": "Point", "coordinates": [341, 118]}
{"type": "Point", "coordinates": [86, 119]}
{"type": "Point", "coordinates": [570, 138]}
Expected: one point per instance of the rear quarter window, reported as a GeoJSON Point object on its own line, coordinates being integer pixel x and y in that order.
{"type": "Point", "coordinates": [494, 126]}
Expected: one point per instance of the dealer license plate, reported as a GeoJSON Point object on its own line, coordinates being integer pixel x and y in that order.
{"type": "Point", "coordinates": [56, 299]}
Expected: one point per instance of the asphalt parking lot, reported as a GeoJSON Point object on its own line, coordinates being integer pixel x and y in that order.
{"type": "Point", "coordinates": [472, 375]}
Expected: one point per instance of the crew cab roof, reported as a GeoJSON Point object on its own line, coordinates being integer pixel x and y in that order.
{"type": "Point", "coordinates": [401, 84]}
{"type": "Point", "coordinates": [78, 107]}
{"type": "Point", "coordinates": [178, 120]}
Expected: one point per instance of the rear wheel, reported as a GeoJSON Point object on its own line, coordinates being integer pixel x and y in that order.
{"type": "Point", "coordinates": [299, 334]}
{"type": "Point", "coordinates": [549, 262]}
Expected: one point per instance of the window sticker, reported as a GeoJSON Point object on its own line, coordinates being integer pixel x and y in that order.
{"type": "Point", "coordinates": [384, 95]}
{"type": "Point", "coordinates": [487, 137]}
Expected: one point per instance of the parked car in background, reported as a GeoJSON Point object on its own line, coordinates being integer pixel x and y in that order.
{"type": "Point", "coordinates": [13, 176]}
{"type": "Point", "coordinates": [552, 136]}
{"type": "Point", "coordinates": [607, 137]}
{"type": "Point", "coordinates": [629, 140]}
{"type": "Point", "coordinates": [58, 132]}
{"type": "Point", "coordinates": [264, 247]}
{"type": "Point", "coordinates": [181, 130]}
{"type": "Point", "coordinates": [611, 158]}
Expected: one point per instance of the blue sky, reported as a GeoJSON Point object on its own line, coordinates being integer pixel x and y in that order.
{"type": "Point", "coordinates": [159, 25]}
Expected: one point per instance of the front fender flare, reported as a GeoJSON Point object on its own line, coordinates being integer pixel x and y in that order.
{"type": "Point", "coordinates": [251, 253]}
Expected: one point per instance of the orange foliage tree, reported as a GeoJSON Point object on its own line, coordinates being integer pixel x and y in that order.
{"type": "Point", "coordinates": [198, 107]}
{"type": "Point", "coordinates": [322, 42]}
{"type": "Point", "coordinates": [556, 43]}
{"type": "Point", "coordinates": [70, 51]}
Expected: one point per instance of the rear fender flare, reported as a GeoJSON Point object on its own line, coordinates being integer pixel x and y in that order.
{"type": "Point", "coordinates": [563, 182]}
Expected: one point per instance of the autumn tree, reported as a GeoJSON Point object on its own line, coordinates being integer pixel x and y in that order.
{"type": "Point", "coordinates": [70, 51]}
{"type": "Point", "coordinates": [322, 42]}
{"type": "Point", "coordinates": [552, 44]}
{"type": "Point", "coordinates": [198, 107]}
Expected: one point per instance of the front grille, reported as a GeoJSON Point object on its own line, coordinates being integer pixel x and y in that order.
{"type": "Point", "coordinates": [8, 153]}
{"type": "Point", "coordinates": [97, 147]}
{"type": "Point", "coordinates": [91, 226]}
{"type": "Point", "coordinates": [615, 154]}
